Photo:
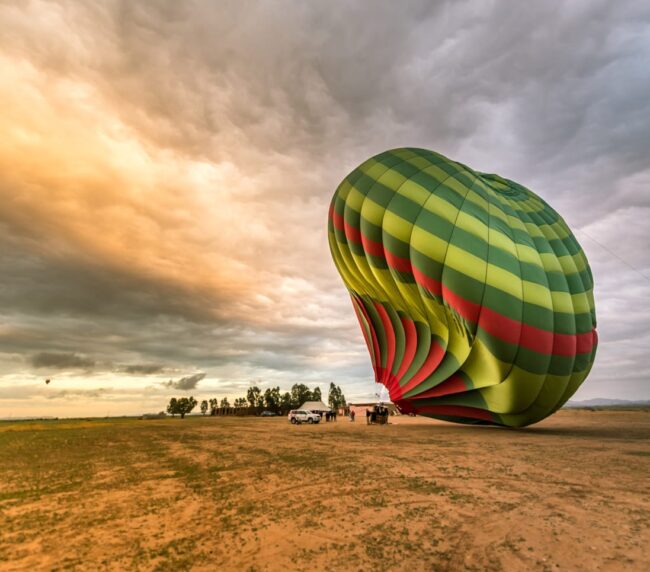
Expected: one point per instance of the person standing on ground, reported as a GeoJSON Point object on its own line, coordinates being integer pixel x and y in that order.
{"type": "Point", "coordinates": [352, 414]}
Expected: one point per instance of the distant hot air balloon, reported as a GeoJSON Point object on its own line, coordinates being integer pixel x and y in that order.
{"type": "Point", "coordinates": [474, 298]}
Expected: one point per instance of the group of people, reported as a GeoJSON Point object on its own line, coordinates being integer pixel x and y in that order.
{"type": "Point", "coordinates": [329, 415]}
{"type": "Point", "coordinates": [376, 414]}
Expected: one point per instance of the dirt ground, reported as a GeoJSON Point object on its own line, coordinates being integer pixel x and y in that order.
{"type": "Point", "coordinates": [571, 493]}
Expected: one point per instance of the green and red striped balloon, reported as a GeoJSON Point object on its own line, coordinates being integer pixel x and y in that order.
{"type": "Point", "coordinates": [474, 297]}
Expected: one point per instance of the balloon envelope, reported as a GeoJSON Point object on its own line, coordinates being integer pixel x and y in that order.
{"type": "Point", "coordinates": [474, 298]}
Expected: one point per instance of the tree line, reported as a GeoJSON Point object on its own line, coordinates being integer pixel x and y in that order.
{"type": "Point", "coordinates": [256, 401]}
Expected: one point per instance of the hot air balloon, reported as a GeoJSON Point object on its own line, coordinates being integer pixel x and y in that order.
{"type": "Point", "coordinates": [474, 298]}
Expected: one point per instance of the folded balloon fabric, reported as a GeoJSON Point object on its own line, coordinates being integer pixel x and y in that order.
{"type": "Point", "coordinates": [474, 298]}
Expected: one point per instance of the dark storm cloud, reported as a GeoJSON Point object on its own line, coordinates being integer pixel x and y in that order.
{"type": "Point", "coordinates": [43, 283]}
{"type": "Point", "coordinates": [184, 383]}
{"type": "Point", "coordinates": [146, 369]}
{"type": "Point", "coordinates": [195, 237]}
{"type": "Point", "coordinates": [61, 361]}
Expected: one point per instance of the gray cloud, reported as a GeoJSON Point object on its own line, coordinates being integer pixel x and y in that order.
{"type": "Point", "coordinates": [146, 369]}
{"type": "Point", "coordinates": [79, 393]}
{"type": "Point", "coordinates": [61, 361]}
{"type": "Point", "coordinates": [184, 383]}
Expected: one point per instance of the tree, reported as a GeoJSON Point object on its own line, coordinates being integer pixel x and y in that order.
{"type": "Point", "coordinates": [285, 403]}
{"type": "Point", "coordinates": [268, 399]}
{"type": "Point", "coordinates": [277, 397]}
{"type": "Point", "coordinates": [225, 403]}
{"type": "Point", "coordinates": [272, 399]}
{"type": "Point", "coordinates": [204, 407]}
{"type": "Point", "coordinates": [185, 405]}
{"type": "Point", "coordinates": [254, 397]}
{"type": "Point", "coordinates": [316, 395]}
{"type": "Point", "coordinates": [299, 394]}
{"type": "Point", "coordinates": [181, 406]}
{"type": "Point", "coordinates": [336, 398]}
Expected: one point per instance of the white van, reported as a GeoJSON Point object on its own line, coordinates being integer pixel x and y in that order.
{"type": "Point", "coordinates": [301, 416]}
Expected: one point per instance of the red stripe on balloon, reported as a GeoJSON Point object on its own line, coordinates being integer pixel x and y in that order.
{"type": "Point", "coordinates": [364, 332]}
{"type": "Point", "coordinates": [427, 282]}
{"type": "Point", "coordinates": [456, 411]}
{"type": "Point", "coordinates": [375, 343]}
{"type": "Point", "coordinates": [499, 326]}
{"type": "Point", "coordinates": [373, 248]}
{"type": "Point", "coordinates": [434, 357]}
{"type": "Point", "coordinates": [451, 385]}
{"type": "Point", "coordinates": [410, 344]}
{"type": "Point", "coordinates": [565, 344]}
{"type": "Point", "coordinates": [351, 233]}
{"type": "Point", "coordinates": [390, 340]}
{"type": "Point", "coordinates": [398, 263]}
{"type": "Point", "coordinates": [370, 246]}
{"type": "Point", "coordinates": [540, 341]}
{"type": "Point", "coordinates": [337, 219]}
{"type": "Point", "coordinates": [467, 309]}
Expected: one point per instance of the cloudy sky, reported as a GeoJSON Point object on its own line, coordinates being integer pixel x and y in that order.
{"type": "Point", "coordinates": [166, 170]}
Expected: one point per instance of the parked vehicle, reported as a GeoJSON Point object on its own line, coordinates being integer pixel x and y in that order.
{"type": "Point", "coordinates": [267, 414]}
{"type": "Point", "coordinates": [301, 416]}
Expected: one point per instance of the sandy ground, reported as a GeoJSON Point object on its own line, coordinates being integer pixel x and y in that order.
{"type": "Point", "coordinates": [571, 493]}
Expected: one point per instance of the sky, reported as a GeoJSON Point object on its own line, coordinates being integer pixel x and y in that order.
{"type": "Point", "coordinates": [166, 170]}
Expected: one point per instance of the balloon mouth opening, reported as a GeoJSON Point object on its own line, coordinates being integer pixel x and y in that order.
{"type": "Point", "coordinates": [404, 407]}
